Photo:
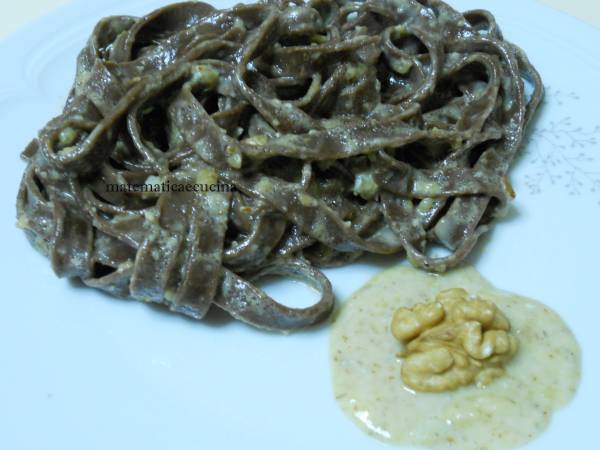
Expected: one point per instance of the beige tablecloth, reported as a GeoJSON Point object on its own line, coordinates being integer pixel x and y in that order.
{"type": "Point", "coordinates": [19, 12]}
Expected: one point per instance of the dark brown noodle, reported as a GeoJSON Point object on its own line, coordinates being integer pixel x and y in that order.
{"type": "Point", "coordinates": [345, 127]}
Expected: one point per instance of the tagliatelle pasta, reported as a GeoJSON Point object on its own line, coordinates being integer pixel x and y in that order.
{"type": "Point", "coordinates": [344, 127]}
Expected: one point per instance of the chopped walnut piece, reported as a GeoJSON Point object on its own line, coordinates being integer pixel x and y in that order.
{"type": "Point", "coordinates": [452, 342]}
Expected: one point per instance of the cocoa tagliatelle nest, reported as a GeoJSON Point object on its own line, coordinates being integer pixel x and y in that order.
{"type": "Point", "coordinates": [338, 128]}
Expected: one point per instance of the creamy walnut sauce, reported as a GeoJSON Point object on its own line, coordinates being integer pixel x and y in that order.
{"type": "Point", "coordinates": [503, 410]}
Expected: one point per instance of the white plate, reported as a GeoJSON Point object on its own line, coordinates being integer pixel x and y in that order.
{"type": "Point", "coordinates": [80, 370]}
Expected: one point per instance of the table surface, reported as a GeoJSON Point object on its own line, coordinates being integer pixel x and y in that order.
{"type": "Point", "coordinates": [18, 13]}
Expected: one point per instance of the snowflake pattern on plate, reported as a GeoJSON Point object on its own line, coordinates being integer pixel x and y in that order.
{"type": "Point", "coordinates": [562, 153]}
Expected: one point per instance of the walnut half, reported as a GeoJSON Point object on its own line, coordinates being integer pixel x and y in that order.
{"type": "Point", "coordinates": [452, 342]}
